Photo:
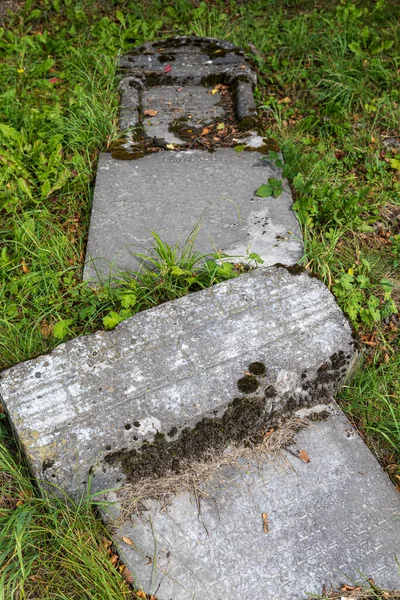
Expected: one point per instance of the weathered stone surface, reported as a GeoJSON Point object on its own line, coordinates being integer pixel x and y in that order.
{"type": "Point", "coordinates": [167, 369]}
{"type": "Point", "coordinates": [170, 192]}
{"type": "Point", "coordinates": [182, 71]}
{"type": "Point", "coordinates": [333, 520]}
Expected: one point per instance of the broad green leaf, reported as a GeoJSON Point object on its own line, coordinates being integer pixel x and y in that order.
{"type": "Point", "coordinates": [61, 328]}
{"type": "Point", "coordinates": [112, 319]}
{"type": "Point", "coordinates": [364, 281]}
{"type": "Point", "coordinates": [9, 132]}
{"type": "Point", "coordinates": [346, 281]}
{"type": "Point", "coordinates": [256, 257]}
{"type": "Point", "coordinates": [264, 191]}
{"type": "Point", "coordinates": [119, 15]}
{"type": "Point", "coordinates": [395, 163]}
{"type": "Point", "coordinates": [175, 270]}
{"type": "Point", "coordinates": [128, 299]}
{"type": "Point", "coordinates": [240, 148]}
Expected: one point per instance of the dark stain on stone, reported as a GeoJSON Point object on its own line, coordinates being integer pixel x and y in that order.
{"type": "Point", "coordinates": [108, 448]}
{"type": "Point", "coordinates": [173, 432]}
{"type": "Point", "coordinates": [270, 392]}
{"type": "Point", "coordinates": [292, 269]}
{"type": "Point", "coordinates": [47, 464]}
{"type": "Point", "coordinates": [128, 426]}
{"type": "Point", "coordinates": [165, 58]}
{"type": "Point", "coordinates": [243, 419]}
{"type": "Point", "coordinates": [38, 374]}
{"type": "Point", "coordinates": [249, 123]}
{"type": "Point", "coordinates": [124, 154]}
{"type": "Point", "coordinates": [136, 423]}
{"type": "Point", "coordinates": [248, 384]}
{"type": "Point", "coordinates": [257, 368]}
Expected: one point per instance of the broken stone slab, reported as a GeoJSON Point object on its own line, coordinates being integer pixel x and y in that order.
{"type": "Point", "coordinates": [199, 372]}
{"type": "Point", "coordinates": [176, 79]}
{"type": "Point", "coordinates": [330, 521]}
{"type": "Point", "coordinates": [173, 192]}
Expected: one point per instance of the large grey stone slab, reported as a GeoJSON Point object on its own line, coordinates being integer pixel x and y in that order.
{"type": "Point", "coordinates": [333, 520]}
{"type": "Point", "coordinates": [175, 374]}
{"type": "Point", "coordinates": [171, 192]}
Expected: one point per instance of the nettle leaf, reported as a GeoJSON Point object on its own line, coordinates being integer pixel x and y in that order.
{"type": "Point", "coordinates": [264, 191]}
{"type": "Point", "coordinates": [240, 148]}
{"type": "Point", "coordinates": [61, 328]}
{"type": "Point", "coordinates": [112, 319]}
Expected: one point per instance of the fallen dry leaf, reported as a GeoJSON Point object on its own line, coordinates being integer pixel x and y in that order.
{"type": "Point", "coordinates": [141, 594]}
{"type": "Point", "coordinates": [114, 559]}
{"type": "Point", "coordinates": [269, 432]}
{"type": "Point", "coordinates": [150, 113]}
{"type": "Point", "coordinates": [350, 588]}
{"type": "Point", "coordinates": [304, 456]}
{"type": "Point", "coordinates": [126, 574]}
{"type": "Point", "coordinates": [265, 521]}
{"type": "Point", "coordinates": [127, 540]}
{"type": "Point", "coordinates": [46, 329]}
{"type": "Point", "coordinates": [24, 266]}
{"type": "Point", "coordinates": [167, 68]}
{"type": "Point", "coordinates": [205, 130]}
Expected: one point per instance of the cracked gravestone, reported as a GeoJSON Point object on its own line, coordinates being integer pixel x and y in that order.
{"type": "Point", "coordinates": [174, 381]}
{"type": "Point", "coordinates": [188, 163]}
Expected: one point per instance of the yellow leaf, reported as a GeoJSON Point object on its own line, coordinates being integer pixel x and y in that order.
{"type": "Point", "coordinates": [265, 521]}
{"type": "Point", "coordinates": [170, 146]}
{"type": "Point", "coordinates": [25, 268]}
{"type": "Point", "coordinates": [127, 540]}
{"type": "Point", "coordinates": [304, 456]}
{"type": "Point", "coordinates": [351, 271]}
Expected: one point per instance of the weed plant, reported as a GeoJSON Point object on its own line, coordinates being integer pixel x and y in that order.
{"type": "Point", "coordinates": [328, 92]}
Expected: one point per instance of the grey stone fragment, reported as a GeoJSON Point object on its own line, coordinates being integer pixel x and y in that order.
{"type": "Point", "coordinates": [171, 192]}
{"type": "Point", "coordinates": [333, 520]}
{"type": "Point", "coordinates": [172, 366]}
{"type": "Point", "coordinates": [178, 64]}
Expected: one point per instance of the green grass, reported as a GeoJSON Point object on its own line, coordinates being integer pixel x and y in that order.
{"type": "Point", "coordinates": [49, 548]}
{"type": "Point", "coordinates": [329, 93]}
